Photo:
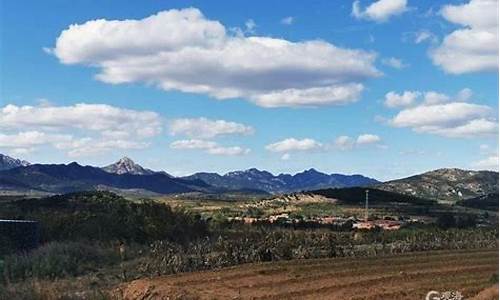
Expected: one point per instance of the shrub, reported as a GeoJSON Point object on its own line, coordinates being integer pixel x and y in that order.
{"type": "Point", "coordinates": [105, 216]}
{"type": "Point", "coordinates": [58, 260]}
{"type": "Point", "coordinates": [233, 248]}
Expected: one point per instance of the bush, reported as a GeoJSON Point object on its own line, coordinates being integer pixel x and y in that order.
{"type": "Point", "coordinates": [233, 248]}
{"type": "Point", "coordinates": [105, 216]}
{"type": "Point", "coordinates": [35, 290]}
{"type": "Point", "coordinates": [58, 260]}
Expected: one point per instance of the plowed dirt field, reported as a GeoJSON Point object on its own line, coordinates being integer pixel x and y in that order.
{"type": "Point", "coordinates": [406, 276]}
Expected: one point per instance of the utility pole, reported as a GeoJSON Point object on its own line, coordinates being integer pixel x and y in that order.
{"type": "Point", "coordinates": [366, 205]}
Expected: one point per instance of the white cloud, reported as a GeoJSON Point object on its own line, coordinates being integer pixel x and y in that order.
{"type": "Point", "coordinates": [292, 144]}
{"type": "Point", "coordinates": [454, 119]}
{"type": "Point", "coordinates": [206, 128]}
{"type": "Point", "coordinates": [407, 98]}
{"type": "Point", "coordinates": [489, 163]}
{"type": "Point", "coordinates": [365, 139]}
{"type": "Point", "coordinates": [29, 139]}
{"type": "Point", "coordinates": [182, 50]}
{"type": "Point", "coordinates": [103, 118]}
{"type": "Point", "coordinates": [209, 147]}
{"type": "Point", "coordinates": [473, 48]}
{"type": "Point", "coordinates": [89, 146]}
{"type": "Point", "coordinates": [489, 160]}
{"type": "Point", "coordinates": [395, 63]}
{"type": "Point", "coordinates": [228, 151]}
{"type": "Point", "coordinates": [432, 97]}
{"type": "Point", "coordinates": [193, 144]}
{"type": "Point", "coordinates": [80, 129]}
{"type": "Point", "coordinates": [344, 142]}
{"type": "Point", "coordinates": [379, 11]}
{"type": "Point", "coordinates": [287, 20]}
{"type": "Point", "coordinates": [341, 94]}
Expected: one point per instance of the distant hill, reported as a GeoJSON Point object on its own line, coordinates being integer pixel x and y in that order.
{"type": "Point", "coordinates": [446, 184]}
{"type": "Point", "coordinates": [282, 183]}
{"type": "Point", "coordinates": [73, 177]}
{"type": "Point", "coordinates": [127, 166]}
{"type": "Point", "coordinates": [357, 196]}
{"type": "Point", "coordinates": [488, 202]}
{"type": "Point", "coordinates": [7, 162]}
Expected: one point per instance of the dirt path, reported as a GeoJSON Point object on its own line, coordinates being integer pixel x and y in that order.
{"type": "Point", "coordinates": [408, 276]}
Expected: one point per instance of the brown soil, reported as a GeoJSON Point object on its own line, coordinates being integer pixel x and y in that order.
{"type": "Point", "coordinates": [490, 293]}
{"type": "Point", "coordinates": [408, 276]}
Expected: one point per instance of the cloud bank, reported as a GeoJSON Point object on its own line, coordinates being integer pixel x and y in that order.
{"type": "Point", "coordinates": [183, 50]}
{"type": "Point", "coordinates": [474, 47]}
{"type": "Point", "coordinates": [209, 147]}
{"type": "Point", "coordinates": [80, 130]}
{"type": "Point", "coordinates": [206, 128]}
{"type": "Point", "coordinates": [440, 114]}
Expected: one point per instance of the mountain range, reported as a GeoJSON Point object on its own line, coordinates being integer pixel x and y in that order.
{"type": "Point", "coordinates": [125, 174]}
{"type": "Point", "coordinates": [442, 184]}
{"type": "Point", "coordinates": [7, 162]}
{"type": "Point", "coordinates": [282, 183]}
{"type": "Point", "coordinates": [73, 177]}
{"type": "Point", "coordinates": [445, 184]}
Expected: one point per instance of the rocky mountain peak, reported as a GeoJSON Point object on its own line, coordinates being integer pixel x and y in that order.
{"type": "Point", "coordinates": [127, 166]}
{"type": "Point", "coordinates": [7, 162]}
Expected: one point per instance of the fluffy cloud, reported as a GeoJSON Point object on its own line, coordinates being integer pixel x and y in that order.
{"type": "Point", "coordinates": [345, 142]}
{"type": "Point", "coordinates": [206, 128]}
{"type": "Point", "coordinates": [209, 147]}
{"type": "Point", "coordinates": [182, 50]}
{"type": "Point", "coordinates": [89, 146]}
{"type": "Point", "coordinates": [29, 139]}
{"type": "Point", "coordinates": [409, 98]}
{"type": "Point", "coordinates": [393, 99]}
{"type": "Point", "coordinates": [193, 144]}
{"type": "Point", "coordinates": [292, 144]}
{"type": "Point", "coordinates": [474, 47]}
{"type": "Point", "coordinates": [80, 130]}
{"type": "Point", "coordinates": [489, 163]}
{"type": "Point", "coordinates": [26, 141]}
{"type": "Point", "coordinates": [395, 63]}
{"type": "Point", "coordinates": [106, 119]}
{"type": "Point", "coordinates": [379, 11]}
{"type": "Point", "coordinates": [454, 119]}
{"type": "Point", "coordinates": [365, 139]}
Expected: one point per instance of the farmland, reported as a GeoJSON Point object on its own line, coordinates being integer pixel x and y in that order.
{"type": "Point", "coordinates": [188, 243]}
{"type": "Point", "coordinates": [406, 276]}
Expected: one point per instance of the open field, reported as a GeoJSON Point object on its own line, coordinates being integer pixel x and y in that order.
{"type": "Point", "coordinates": [408, 276]}
{"type": "Point", "coordinates": [310, 205]}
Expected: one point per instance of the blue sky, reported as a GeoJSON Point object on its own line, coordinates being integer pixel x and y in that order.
{"type": "Point", "coordinates": [279, 87]}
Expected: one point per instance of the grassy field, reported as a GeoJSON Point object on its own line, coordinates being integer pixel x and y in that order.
{"type": "Point", "coordinates": [408, 276]}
